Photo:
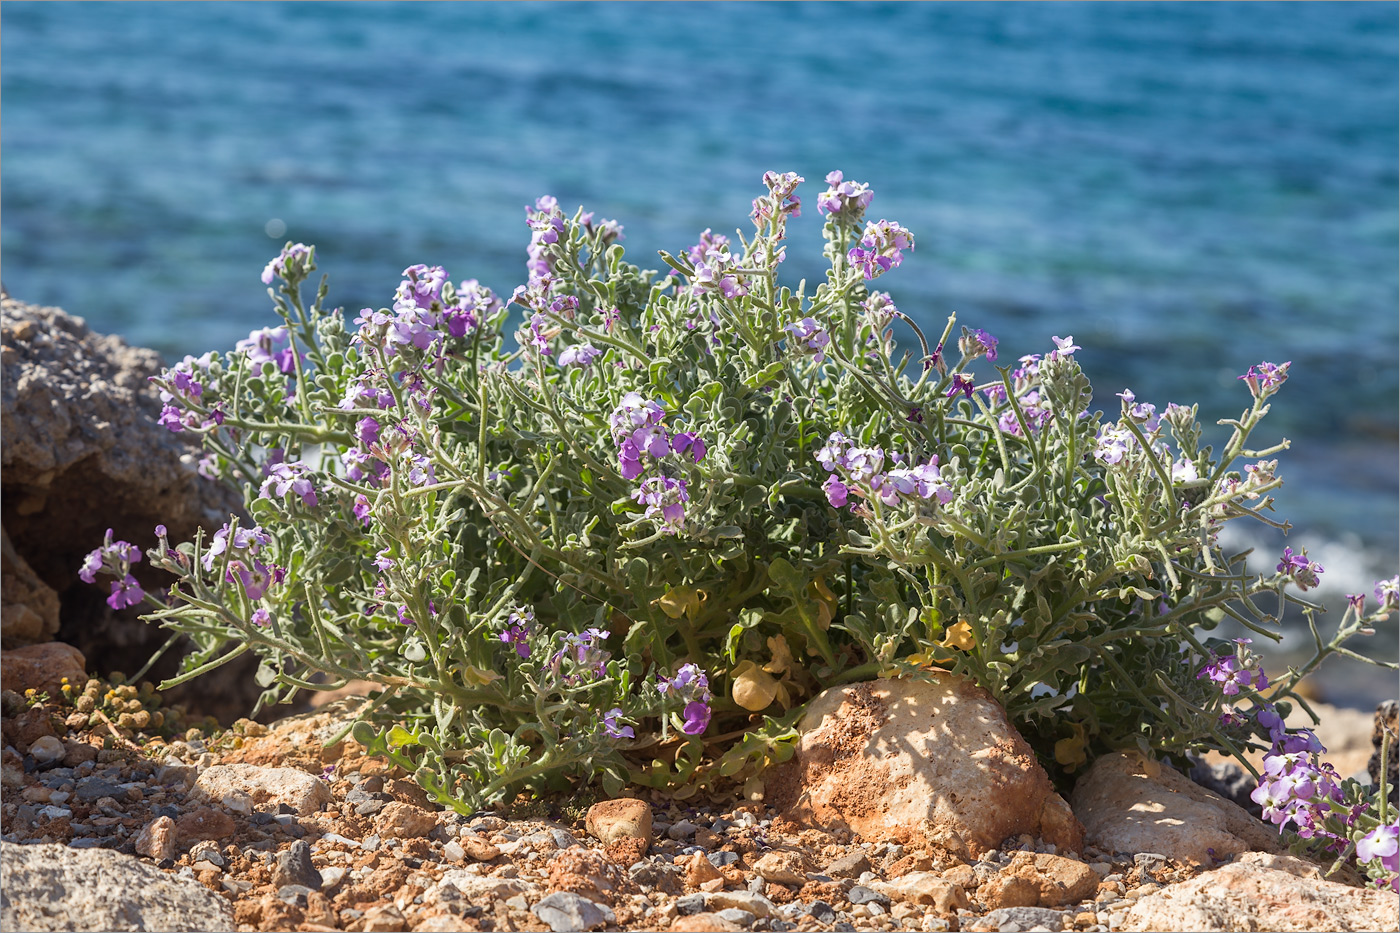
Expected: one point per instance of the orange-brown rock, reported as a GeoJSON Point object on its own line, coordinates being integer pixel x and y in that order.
{"type": "Point", "coordinates": [43, 668]}
{"type": "Point", "coordinates": [623, 818]}
{"type": "Point", "coordinates": [932, 762]}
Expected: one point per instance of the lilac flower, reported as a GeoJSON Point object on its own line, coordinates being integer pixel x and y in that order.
{"type": "Point", "coordinates": [697, 718]}
{"type": "Point", "coordinates": [587, 654]}
{"type": "Point", "coordinates": [1063, 347]}
{"type": "Point", "coordinates": [296, 253]}
{"type": "Point", "coordinates": [421, 288]}
{"type": "Point", "coordinates": [125, 592]}
{"type": "Point", "coordinates": [1264, 379]}
{"type": "Point", "coordinates": [422, 471]}
{"type": "Point", "coordinates": [688, 440]}
{"type": "Point", "coordinates": [367, 431]}
{"type": "Point", "coordinates": [833, 455]}
{"type": "Point", "coordinates": [255, 576]}
{"type": "Point", "coordinates": [1142, 413]}
{"type": "Point", "coordinates": [581, 355]}
{"type": "Point", "coordinates": [382, 560]}
{"type": "Point", "coordinates": [977, 342]}
{"type": "Point", "coordinates": [246, 541]}
{"type": "Point", "coordinates": [1303, 572]}
{"type": "Point", "coordinates": [881, 248]}
{"type": "Point", "coordinates": [171, 418]}
{"type": "Point", "coordinates": [964, 383]}
{"type": "Point", "coordinates": [1231, 673]}
{"type": "Point", "coordinates": [1113, 445]}
{"type": "Point", "coordinates": [665, 496]}
{"type": "Point", "coordinates": [611, 727]}
{"type": "Point", "coordinates": [261, 618]}
{"type": "Point", "coordinates": [404, 618]}
{"type": "Point", "coordinates": [91, 565]}
{"type": "Point", "coordinates": [879, 310]}
{"type": "Point", "coordinates": [115, 556]}
{"type": "Point", "coordinates": [810, 337]}
{"type": "Point", "coordinates": [837, 492]}
{"type": "Point", "coordinates": [1388, 594]}
{"type": "Point", "coordinates": [269, 345]}
{"type": "Point", "coordinates": [361, 509]}
{"type": "Point", "coordinates": [846, 198]}
{"type": "Point", "coordinates": [520, 625]}
{"type": "Point", "coordinates": [361, 394]}
{"type": "Point", "coordinates": [1381, 843]}
{"type": "Point", "coordinates": [289, 477]}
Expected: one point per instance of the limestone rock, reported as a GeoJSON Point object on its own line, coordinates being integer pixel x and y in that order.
{"type": "Point", "coordinates": [589, 873]}
{"type": "Point", "coordinates": [81, 452]}
{"type": "Point", "coordinates": [1055, 881]}
{"type": "Point", "coordinates": [302, 792]}
{"type": "Point", "coordinates": [43, 667]}
{"type": "Point", "coordinates": [927, 889]}
{"type": "Point", "coordinates": [404, 821]}
{"type": "Point", "coordinates": [1128, 804]}
{"type": "Point", "coordinates": [565, 911]}
{"type": "Point", "coordinates": [783, 866]}
{"type": "Point", "coordinates": [1265, 892]}
{"type": "Point", "coordinates": [28, 605]}
{"type": "Point", "coordinates": [157, 839]}
{"type": "Point", "coordinates": [623, 818]}
{"type": "Point", "coordinates": [707, 921]}
{"type": "Point", "coordinates": [55, 888]}
{"type": "Point", "coordinates": [920, 760]}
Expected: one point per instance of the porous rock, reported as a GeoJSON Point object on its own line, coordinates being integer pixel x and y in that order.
{"type": "Point", "coordinates": [623, 818]}
{"type": "Point", "coordinates": [565, 911]}
{"type": "Point", "coordinates": [1260, 891]}
{"type": "Point", "coordinates": [43, 667]}
{"type": "Point", "coordinates": [81, 451]}
{"type": "Point", "coordinates": [302, 792]}
{"type": "Point", "coordinates": [926, 889]}
{"type": "Point", "coordinates": [55, 888]}
{"type": "Point", "coordinates": [1057, 880]}
{"type": "Point", "coordinates": [1130, 804]}
{"type": "Point", "coordinates": [28, 605]}
{"type": "Point", "coordinates": [924, 760]}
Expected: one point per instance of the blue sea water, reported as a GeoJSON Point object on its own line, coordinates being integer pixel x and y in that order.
{"type": "Point", "coordinates": [1185, 188]}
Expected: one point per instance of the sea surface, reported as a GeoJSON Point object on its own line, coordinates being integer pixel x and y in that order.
{"type": "Point", "coordinates": [1186, 188]}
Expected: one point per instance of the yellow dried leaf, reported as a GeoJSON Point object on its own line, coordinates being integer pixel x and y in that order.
{"type": "Point", "coordinates": [782, 660]}
{"type": "Point", "coordinates": [683, 600]}
{"type": "Point", "coordinates": [1070, 751]}
{"type": "Point", "coordinates": [754, 689]}
{"type": "Point", "coordinates": [958, 635]}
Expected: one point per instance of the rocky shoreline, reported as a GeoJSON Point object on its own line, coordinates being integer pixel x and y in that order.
{"type": "Point", "coordinates": [910, 805]}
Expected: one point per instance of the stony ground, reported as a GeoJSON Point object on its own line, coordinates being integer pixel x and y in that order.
{"type": "Point", "coordinates": [296, 837]}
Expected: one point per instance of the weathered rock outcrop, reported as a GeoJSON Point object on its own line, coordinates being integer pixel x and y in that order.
{"type": "Point", "coordinates": [931, 761]}
{"type": "Point", "coordinates": [80, 452]}
{"type": "Point", "coordinates": [53, 887]}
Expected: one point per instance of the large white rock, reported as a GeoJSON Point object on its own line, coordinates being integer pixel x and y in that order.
{"type": "Point", "coordinates": [1128, 804]}
{"type": "Point", "coordinates": [55, 888]}
{"type": "Point", "coordinates": [932, 761]}
{"type": "Point", "coordinates": [1265, 892]}
{"type": "Point", "coordinates": [303, 792]}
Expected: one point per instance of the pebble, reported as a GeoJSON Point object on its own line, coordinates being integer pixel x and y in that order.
{"type": "Point", "coordinates": [682, 830]}
{"type": "Point", "coordinates": [46, 749]}
{"type": "Point", "coordinates": [293, 867]}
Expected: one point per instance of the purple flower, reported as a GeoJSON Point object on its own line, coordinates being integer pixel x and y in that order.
{"type": "Point", "coordinates": [666, 496]}
{"type": "Point", "coordinates": [520, 625]}
{"type": "Point", "coordinates": [170, 419]}
{"type": "Point", "coordinates": [1303, 572]}
{"type": "Point", "coordinates": [261, 618]}
{"type": "Point", "coordinates": [833, 455]}
{"type": "Point", "coordinates": [269, 345]}
{"type": "Point", "coordinates": [581, 355]}
{"type": "Point", "coordinates": [696, 716]}
{"type": "Point", "coordinates": [689, 683]}
{"type": "Point", "coordinates": [367, 431]}
{"type": "Point", "coordinates": [611, 727]}
{"type": "Point", "coordinates": [847, 198]}
{"type": "Point", "coordinates": [422, 471]}
{"type": "Point", "coordinates": [362, 509]}
{"type": "Point", "coordinates": [404, 618]}
{"type": "Point", "coordinates": [810, 337]}
{"type": "Point", "coordinates": [288, 477]}
{"type": "Point", "coordinates": [964, 383]}
{"type": "Point", "coordinates": [125, 592]}
{"type": "Point", "coordinates": [1388, 594]}
{"type": "Point", "coordinates": [1113, 445]}
{"type": "Point", "coordinates": [91, 565]}
{"type": "Point", "coordinates": [879, 310]}
{"type": "Point", "coordinates": [688, 440]}
{"type": "Point", "coordinates": [837, 493]}
{"type": "Point", "coordinates": [1264, 379]}
{"type": "Point", "coordinates": [1064, 346]}
{"type": "Point", "coordinates": [587, 653]}
{"type": "Point", "coordinates": [382, 561]}
{"type": "Point", "coordinates": [975, 343]}
{"type": "Point", "coordinates": [295, 254]}
{"type": "Point", "coordinates": [881, 248]}
{"type": "Point", "coordinates": [1382, 843]}
{"type": "Point", "coordinates": [256, 579]}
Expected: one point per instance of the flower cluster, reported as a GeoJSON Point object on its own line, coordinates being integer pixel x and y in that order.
{"type": "Point", "coordinates": [1266, 378]}
{"type": "Point", "coordinates": [582, 656]}
{"type": "Point", "coordinates": [115, 558]}
{"type": "Point", "coordinates": [844, 200]}
{"type": "Point", "coordinates": [520, 625]}
{"type": "Point", "coordinates": [283, 478]}
{"type": "Point", "coordinates": [286, 264]}
{"type": "Point", "coordinates": [690, 686]}
{"type": "Point", "coordinates": [638, 431]}
{"type": "Point", "coordinates": [1305, 573]}
{"type": "Point", "coordinates": [269, 345]}
{"type": "Point", "coordinates": [977, 342]}
{"type": "Point", "coordinates": [716, 268]}
{"type": "Point", "coordinates": [809, 337]}
{"type": "Point", "coordinates": [181, 390]}
{"type": "Point", "coordinates": [1240, 668]}
{"type": "Point", "coordinates": [881, 248]}
{"type": "Point", "coordinates": [861, 470]}
{"type": "Point", "coordinates": [429, 311]}
{"type": "Point", "coordinates": [239, 547]}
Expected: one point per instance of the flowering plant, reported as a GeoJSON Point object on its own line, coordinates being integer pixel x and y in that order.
{"type": "Point", "coordinates": [633, 546]}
